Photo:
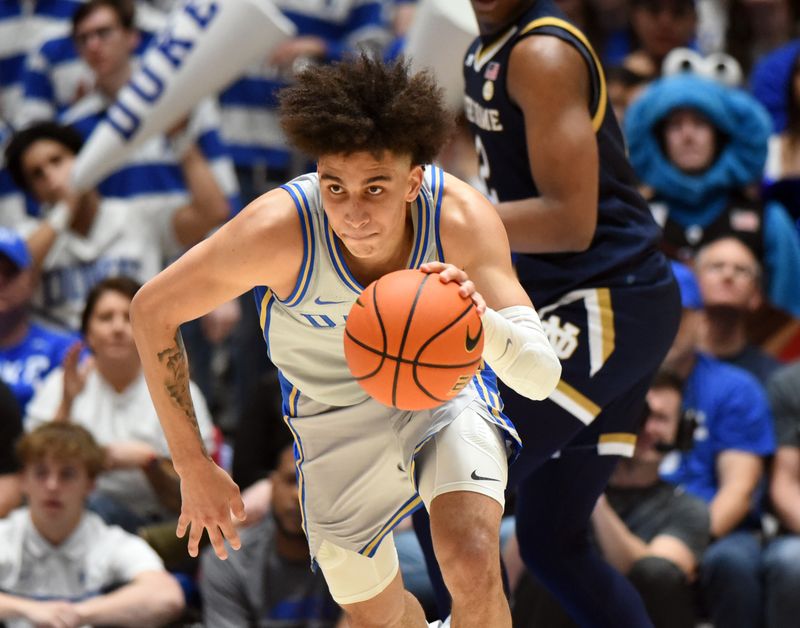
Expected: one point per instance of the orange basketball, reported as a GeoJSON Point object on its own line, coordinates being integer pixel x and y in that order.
{"type": "Point", "coordinates": [411, 341]}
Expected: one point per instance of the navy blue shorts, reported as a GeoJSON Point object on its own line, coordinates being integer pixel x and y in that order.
{"type": "Point", "coordinates": [610, 342]}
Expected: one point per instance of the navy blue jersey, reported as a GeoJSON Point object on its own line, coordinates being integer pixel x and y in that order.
{"type": "Point", "coordinates": [623, 251]}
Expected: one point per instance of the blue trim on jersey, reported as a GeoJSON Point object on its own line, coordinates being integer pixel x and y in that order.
{"type": "Point", "coordinates": [412, 504]}
{"type": "Point", "coordinates": [437, 191]}
{"type": "Point", "coordinates": [327, 321]}
{"type": "Point", "coordinates": [486, 383]}
{"type": "Point", "coordinates": [303, 211]}
{"type": "Point", "coordinates": [413, 470]}
{"type": "Point", "coordinates": [423, 224]}
{"type": "Point", "coordinates": [335, 254]}
{"type": "Point", "coordinates": [290, 393]}
{"type": "Point", "coordinates": [260, 293]}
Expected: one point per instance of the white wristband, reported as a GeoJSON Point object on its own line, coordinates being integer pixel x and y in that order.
{"type": "Point", "coordinates": [59, 217]}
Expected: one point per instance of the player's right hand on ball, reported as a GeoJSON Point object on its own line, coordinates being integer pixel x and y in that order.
{"type": "Point", "coordinates": [448, 272]}
{"type": "Point", "coordinates": [210, 499]}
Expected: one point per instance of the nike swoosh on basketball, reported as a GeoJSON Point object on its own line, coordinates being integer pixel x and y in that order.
{"type": "Point", "coordinates": [475, 476]}
{"type": "Point", "coordinates": [319, 301]}
{"type": "Point", "coordinates": [471, 343]}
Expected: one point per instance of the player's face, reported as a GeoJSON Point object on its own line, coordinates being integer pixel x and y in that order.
{"type": "Point", "coordinates": [285, 502]}
{"type": "Point", "coordinates": [15, 286]}
{"type": "Point", "coordinates": [56, 491]}
{"type": "Point", "coordinates": [689, 141]}
{"type": "Point", "coordinates": [493, 15]}
{"type": "Point", "coordinates": [109, 332]}
{"type": "Point", "coordinates": [728, 276]}
{"type": "Point", "coordinates": [662, 25]}
{"type": "Point", "coordinates": [46, 166]}
{"type": "Point", "coordinates": [103, 43]}
{"type": "Point", "coordinates": [366, 200]}
{"type": "Point", "coordinates": [660, 426]}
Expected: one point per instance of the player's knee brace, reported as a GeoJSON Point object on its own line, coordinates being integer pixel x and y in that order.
{"type": "Point", "coordinates": [353, 577]}
{"type": "Point", "coordinates": [517, 349]}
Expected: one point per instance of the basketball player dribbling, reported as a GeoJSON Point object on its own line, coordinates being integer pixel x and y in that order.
{"type": "Point", "coordinates": [308, 248]}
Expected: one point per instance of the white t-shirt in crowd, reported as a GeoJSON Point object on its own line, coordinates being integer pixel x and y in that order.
{"type": "Point", "coordinates": [113, 417]}
{"type": "Point", "coordinates": [94, 558]}
{"type": "Point", "coordinates": [128, 237]}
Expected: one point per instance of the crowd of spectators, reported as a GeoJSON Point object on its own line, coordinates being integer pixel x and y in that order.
{"type": "Point", "coordinates": [704, 519]}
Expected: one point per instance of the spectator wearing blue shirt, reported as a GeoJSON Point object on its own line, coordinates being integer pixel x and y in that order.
{"type": "Point", "coordinates": [724, 467]}
{"type": "Point", "coordinates": [28, 352]}
{"type": "Point", "coordinates": [730, 279]}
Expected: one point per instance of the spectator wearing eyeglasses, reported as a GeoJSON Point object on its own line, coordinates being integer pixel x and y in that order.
{"type": "Point", "coordinates": [730, 278]}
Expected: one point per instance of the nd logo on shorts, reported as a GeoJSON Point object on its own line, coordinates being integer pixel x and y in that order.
{"type": "Point", "coordinates": [563, 337]}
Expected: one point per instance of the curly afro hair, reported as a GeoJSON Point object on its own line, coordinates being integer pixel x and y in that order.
{"type": "Point", "coordinates": [362, 104]}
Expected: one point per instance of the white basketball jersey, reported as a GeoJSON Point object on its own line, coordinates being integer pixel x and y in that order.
{"type": "Point", "coordinates": [304, 332]}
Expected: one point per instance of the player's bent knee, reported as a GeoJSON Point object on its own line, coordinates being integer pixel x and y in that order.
{"type": "Point", "coordinates": [354, 578]}
{"type": "Point", "coordinates": [468, 554]}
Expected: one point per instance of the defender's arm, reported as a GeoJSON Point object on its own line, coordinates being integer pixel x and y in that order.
{"type": "Point", "coordinates": [549, 81]}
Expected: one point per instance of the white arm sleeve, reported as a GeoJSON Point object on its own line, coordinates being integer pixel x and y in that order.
{"type": "Point", "coordinates": [517, 349]}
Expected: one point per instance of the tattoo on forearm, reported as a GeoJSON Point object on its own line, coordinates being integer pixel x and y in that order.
{"type": "Point", "coordinates": [177, 381]}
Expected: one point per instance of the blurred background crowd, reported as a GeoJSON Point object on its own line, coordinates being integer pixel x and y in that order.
{"type": "Point", "coordinates": [705, 519]}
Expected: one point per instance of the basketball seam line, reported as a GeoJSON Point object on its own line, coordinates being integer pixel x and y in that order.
{"type": "Point", "coordinates": [409, 318]}
{"type": "Point", "coordinates": [412, 362]}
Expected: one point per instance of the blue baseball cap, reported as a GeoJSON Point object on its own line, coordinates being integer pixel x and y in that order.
{"type": "Point", "coordinates": [14, 248]}
{"type": "Point", "coordinates": [691, 299]}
